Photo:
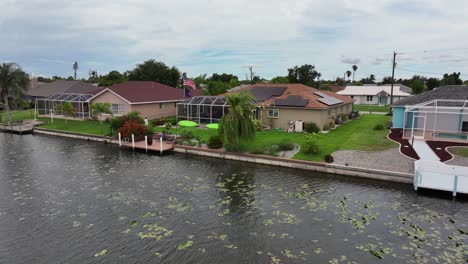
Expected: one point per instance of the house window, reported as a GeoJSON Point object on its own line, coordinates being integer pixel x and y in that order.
{"type": "Point", "coordinates": [161, 106]}
{"type": "Point", "coordinates": [117, 109]}
{"type": "Point", "coordinates": [273, 113]}
{"type": "Point", "coordinates": [370, 98]}
{"type": "Point", "coordinates": [352, 96]}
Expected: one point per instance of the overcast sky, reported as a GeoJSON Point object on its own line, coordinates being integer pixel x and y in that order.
{"type": "Point", "coordinates": [206, 36]}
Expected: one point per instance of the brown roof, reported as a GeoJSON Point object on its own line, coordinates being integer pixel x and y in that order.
{"type": "Point", "coordinates": [62, 86]}
{"type": "Point", "coordinates": [299, 90]}
{"type": "Point", "coordinates": [148, 91]}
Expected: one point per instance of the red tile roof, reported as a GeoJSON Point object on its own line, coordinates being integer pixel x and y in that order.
{"type": "Point", "coordinates": [304, 91]}
{"type": "Point", "coordinates": [148, 91]}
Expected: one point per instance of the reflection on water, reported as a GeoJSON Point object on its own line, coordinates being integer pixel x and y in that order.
{"type": "Point", "coordinates": [67, 201]}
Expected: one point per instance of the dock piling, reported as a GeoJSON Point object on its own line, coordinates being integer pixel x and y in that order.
{"type": "Point", "coordinates": [133, 141]}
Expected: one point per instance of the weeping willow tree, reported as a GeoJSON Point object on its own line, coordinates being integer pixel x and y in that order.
{"type": "Point", "coordinates": [238, 123]}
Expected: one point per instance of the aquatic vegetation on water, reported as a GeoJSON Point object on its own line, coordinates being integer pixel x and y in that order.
{"type": "Point", "coordinates": [101, 253]}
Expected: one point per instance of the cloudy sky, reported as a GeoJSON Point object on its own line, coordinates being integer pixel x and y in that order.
{"type": "Point", "coordinates": [206, 36]}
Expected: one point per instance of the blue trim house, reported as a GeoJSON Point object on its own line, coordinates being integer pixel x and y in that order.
{"type": "Point", "coordinates": [439, 114]}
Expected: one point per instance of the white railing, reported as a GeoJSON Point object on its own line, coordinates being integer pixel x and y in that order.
{"type": "Point", "coordinates": [440, 176]}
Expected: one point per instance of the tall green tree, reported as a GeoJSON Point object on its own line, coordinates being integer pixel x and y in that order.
{"type": "Point", "coordinates": [432, 83]}
{"type": "Point", "coordinates": [368, 80]}
{"type": "Point", "coordinates": [417, 85]}
{"type": "Point", "coordinates": [354, 67]}
{"type": "Point", "coordinates": [152, 70]}
{"type": "Point", "coordinates": [452, 79]}
{"type": "Point", "coordinates": [305, 74]}
{"type": "Point", "coordinates": [238, 123]}
{"type": "Point", "coordinates": [348, 74]}
{"type": "Point", "coordinates": [113, 77]}
{"type": "Point", "coordinates": [279, 79]}
{"type": "Point", "coordinates": [66, 109]}
{"type": "Point", "coordinates": [97, 109]}
{"type": "Point", "coordinates": [13, 82]}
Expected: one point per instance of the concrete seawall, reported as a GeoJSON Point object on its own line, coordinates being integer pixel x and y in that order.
{"type": "Point", "coordinates": [259, 159]}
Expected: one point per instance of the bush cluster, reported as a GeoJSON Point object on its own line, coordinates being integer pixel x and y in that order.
{"type": "Point", "coordinates": [164, 120]}
{"type": "Point", "coordinates": [379, 127]}
{"type": "Point", "coordinates": [133, 127]}
{"type": "Point", "coordinates": [118, 122]}
{"type": "Point", "coordinates": [329, 158]}
{"type": "Point", "coordinates": [311, 127]}
{"type": "Point", "coordinates": [215, 142]}
{"type": "Point", "coordinates": [186, 134]}
{"type": "Point", "coordinates": [311, 145]}
{"type": "Point", "coordinates": [285, 145]}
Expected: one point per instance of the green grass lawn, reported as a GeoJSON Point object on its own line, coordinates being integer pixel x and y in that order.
{"type": "Point", "coordinates": [459, 151]}
{"type": "Point", "coordinates": [354, 135]}
{"type": "Point", "coordinates": [373, 108]}
{"type": "Point", "coordinates": [86, 126]}
{"type": "Point", "coordinates": [18, 115]}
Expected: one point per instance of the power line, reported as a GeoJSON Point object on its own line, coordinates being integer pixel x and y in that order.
{"type": "Point", "coordinates": [433, 73]}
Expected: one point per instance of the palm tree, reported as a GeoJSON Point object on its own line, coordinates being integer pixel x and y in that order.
{"type": "Point", "coordinates": [66, 109]}
{"type": "Point", "coordinates": [13, 81]}
{"type": "Point", "coordinates": [101, 108]}
{"type": "Point", "coordinates": [75, 67]}
{"type": "Point", "coordinates": [348, 73]}
{"type": "Point", "coordinates": [238, 123]}
{"type": "Point", "coordinates": [355, 67]}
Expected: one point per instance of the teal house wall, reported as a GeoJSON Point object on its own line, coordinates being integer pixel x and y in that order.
{"type": "Point", "coordinates": [398, 117]}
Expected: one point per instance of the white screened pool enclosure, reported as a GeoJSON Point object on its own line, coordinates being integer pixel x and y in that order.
{"type": "Point", "coordinates": [445, 120]}
{"type": "Point", "coordinates": [202, 109]}
{"type": "Point", "coordinates": [80, 102]}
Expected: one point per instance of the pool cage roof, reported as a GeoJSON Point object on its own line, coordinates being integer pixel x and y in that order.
{"type": "Point", "coordinates": [69, 97]}
{"type": "Point", "coordinates": [439, 106]}
{"type": "Point", "coordinates": [206, 101]}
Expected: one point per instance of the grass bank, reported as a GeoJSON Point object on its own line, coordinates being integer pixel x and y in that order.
{"type": "Point", "coordinates": [18, 115]}
{"type": "Point", "coordinates": [460, 151]}
{"type": "Point", "coordinates": [90, 127]}
{"type": "Point", "coordinates": [372, 108]}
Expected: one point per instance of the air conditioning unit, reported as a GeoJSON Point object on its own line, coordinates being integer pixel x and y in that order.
{"type": "Point", "coordinates": [299, 126]}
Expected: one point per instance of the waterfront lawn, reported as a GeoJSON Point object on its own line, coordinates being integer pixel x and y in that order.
{"type": "Point", "coordinates": [358, 134]}
{"type": "Point", "coordinates": [354, 135]}
{"type": "Point", "coordinates": [18, 115]}
{"type": "Point", "coordinates": [460, 151]}
{"type": "Point", "coordinates": [90, 127]}
{"type": "Point", "coordinates": [373, 108]}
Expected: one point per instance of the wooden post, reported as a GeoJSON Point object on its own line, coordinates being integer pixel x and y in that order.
{"type": "Point", "coordinates": [133, 141]}
{"type": "Point", "coordinates": [161, 145]}
{"type": "Point", "coordinates": [51, 117]}
{"type": "Point", "coordinates": [146, 143]}
{"type": "Point", "coordinates": [120, 139]}
{"type": "Point", "coordinates": [455, 183]}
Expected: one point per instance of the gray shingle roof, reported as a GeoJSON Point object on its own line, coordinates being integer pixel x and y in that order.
{"type": "Point", "coordinates": [61, 86]}
{"type": "Point", "coordinates": [451, 92]}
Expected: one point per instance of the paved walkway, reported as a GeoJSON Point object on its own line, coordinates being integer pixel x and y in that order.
{"type": "Point", "coordinates": [424, 151]}
{"type": "Point", "coordinates": [390, 160]}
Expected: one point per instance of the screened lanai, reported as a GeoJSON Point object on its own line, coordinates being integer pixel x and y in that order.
{"type": "Point", "coordinates": [437, 120]}
{"type": "Point", "coordinates": [81, 103]}
{"type": "Point", "coordinates": [202, 109]}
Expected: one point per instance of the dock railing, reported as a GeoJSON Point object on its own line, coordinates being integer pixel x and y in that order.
{"type": "Point", "coordinates": [440, 176]}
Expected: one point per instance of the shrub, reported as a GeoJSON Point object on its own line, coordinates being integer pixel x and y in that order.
{"type": "Point", "coordinates": [329, 158]}
{"type": "Point", "coordinates": [344, 117]}
{"type": "Point", "coordinates": [311, 145]}
{"type": "Point", "coordinates": [186, 134]}
{"type": "Point", "coordinates": [326, 127]}
{"type": "Point", "coordinates": [332, 124]}
{"type": "Point", "coordinates": [167, 127]}
{"type": "Point", "coordinates": [258, 125]}
{"type": "Point", "coordinates": [215, 142]}
{"type": "Point", "coordinates": [133, 127]}
{"type": "Point", "coordinates": [311, 127]}
{"type": "Point", "coordinates": [118, 122]}
{"type": "Point", "coordinates": [285, 145]}
{"type": "Point", "coordinates": [164, 120]}
{"type": "Point", "coordinates": [379, 127]}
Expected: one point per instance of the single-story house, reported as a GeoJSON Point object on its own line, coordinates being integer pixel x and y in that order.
{"type": "Point", "coordinates": [285, 106]}
{"type": "Point", "coordinates": [439, 114]}
{"type": "Point", "coordinates": [57, 87]}
{"type": "Point", "coordinates": [376, 94]}
{"type": "Point", "coordinates": [150, 99]}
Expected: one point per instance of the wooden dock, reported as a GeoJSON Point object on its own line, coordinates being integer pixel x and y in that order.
{"type": "Point", "coordinates": [21, 127]}
{"type": "Point", "coordinates": [155, 147]}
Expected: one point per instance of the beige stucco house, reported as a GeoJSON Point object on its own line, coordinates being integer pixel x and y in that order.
{"type": "Point", "coordinates": [150, 99]}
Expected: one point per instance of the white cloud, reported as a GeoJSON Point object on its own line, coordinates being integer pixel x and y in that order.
{"type": "Point", "coordinates": [212, 36]}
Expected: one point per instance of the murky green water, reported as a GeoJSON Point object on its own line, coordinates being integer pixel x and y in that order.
{"type": "Point", "coordinates": [68, 201]}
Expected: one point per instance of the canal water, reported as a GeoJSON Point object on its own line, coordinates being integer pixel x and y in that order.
{"type": "Point", "coordinates": [71, 201]}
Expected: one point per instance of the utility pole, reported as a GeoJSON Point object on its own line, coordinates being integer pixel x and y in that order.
{"type": "Point", "coordinates": [393, 77]}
